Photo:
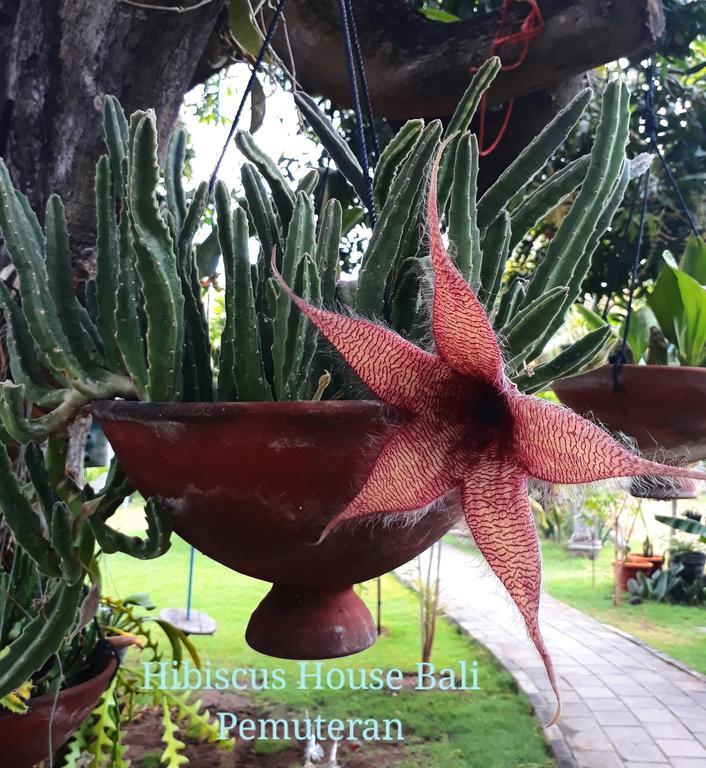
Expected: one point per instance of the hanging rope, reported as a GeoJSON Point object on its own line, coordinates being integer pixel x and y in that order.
{"type": "Point", "coordinates": [356, 69]}
{"type": "Point", "coordinates": [271, 29]}
{"type": "Point", "coordinates": [360, 66]}
{"type": "Point", "coordinates": [612, 277]}
{"type": "Point", "coordinates": [532, 26]}
{"type": "Point", "coordinates": [190, 588]}
{"type": "Point", "coordinates": [347, 22]}
{"type": "Point", "coordinates": [622, 357]}
{"type": "Point", "coordinates": [651, 131]}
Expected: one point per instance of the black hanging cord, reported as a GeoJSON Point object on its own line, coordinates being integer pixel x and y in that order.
{"type": "Point", "coordinates": [271, 29]}
{"type": "Point", "coordinates": [621, 357]}
{"type": "Point", "coordinates": [623, 247]}
{"type": "Point", "coordinates": [356, 68]}
{"type": "Point", "coordinates": [650, 118]}
{"type": "Point", "coordinates": [360, 66]}
{"type": "Point", "coordinates": [355, 95]}
{"type": "Point", "coordinates": [651, 130]}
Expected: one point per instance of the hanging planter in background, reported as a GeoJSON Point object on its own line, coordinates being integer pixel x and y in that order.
{"type": "Point", "coordinates": [663, 408]}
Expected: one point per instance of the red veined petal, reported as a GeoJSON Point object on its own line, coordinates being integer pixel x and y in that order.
{"type": "Point", "coordinates": [462, 333]}
{"type": "Point", "coordinates": [397, 371]}
{"type": "Point", "coordinates": [496, 507]}
{"type": "Point", "coordinates": [555, 444]}
{"type": "Point", "coordinates": [416, 466]}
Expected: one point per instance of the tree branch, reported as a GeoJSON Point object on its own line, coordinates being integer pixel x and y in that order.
{"type": "Point", "coordinates": [420, 68]}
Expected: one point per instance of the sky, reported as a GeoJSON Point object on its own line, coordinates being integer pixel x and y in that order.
{"type": "Point", "coordinates": [279, 133]}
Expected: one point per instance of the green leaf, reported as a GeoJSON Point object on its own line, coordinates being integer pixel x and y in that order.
{"type": "Point", "coordinates": [679, 303]}
{"type": "Point", "coordinates": [639, 331]}
{"type": "Point", "coordinates": [694, 259]}
{"type": "Point", "coordinates": [665, 302]}
{"type": "Point", "coordinates": [685, 525]}
{"type": "Point", "coordinates": [258, 106]}
{"type": "Point", "coordinates": [246, 34]}
{"type": "Point", "coordinates": [592, 319]}
{"type": "Point", "coordinates": [435, 14]}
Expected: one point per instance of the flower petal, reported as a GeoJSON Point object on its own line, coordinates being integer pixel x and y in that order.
{"type": "Point", "coordinates": [557, 445]}
{"type": "Point", "coordinates": [416, 466]}
{"type": "Point", "coordinates": [462, 333]}
{"type": "Point", "coordinates": [497, 510]}
{"type": "Point", "coordinates": [397, 371]}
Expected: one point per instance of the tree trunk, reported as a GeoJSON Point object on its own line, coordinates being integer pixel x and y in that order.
{"type": "Point", "coordinates": [60, 58]}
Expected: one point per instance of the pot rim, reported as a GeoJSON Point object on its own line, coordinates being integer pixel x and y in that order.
{"type": "Point", "coordinates": [678, 370]}
{"type": "Point", "coordinates": [122, 410]}
{"type": "Point", "coordinates": [111, 665]}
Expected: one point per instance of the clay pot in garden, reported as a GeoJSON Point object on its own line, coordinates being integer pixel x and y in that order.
{"type": "Point", "coordinates": [628, 569]}
{"type": "Point", "coordinates": [659, 406]}
{"type": "Point", "coordinates": [693, 562]}
{"type": "Point", "coordinates": [656, 561]}
{"type": "Point", "coordinates": [253, 485]}
{"type": "Point", "coordinates": [25, 739]}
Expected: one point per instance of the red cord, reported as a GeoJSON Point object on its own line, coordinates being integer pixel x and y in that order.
{"type": "Point", "coordinates": [532, 26]}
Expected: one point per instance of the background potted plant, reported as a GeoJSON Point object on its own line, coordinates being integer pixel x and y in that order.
{"type": "Point", "coordinates": [60, 643]}
{"type": "Point", "coordinates": [682, 581]}
{"type": "Point", "coordinates": [39, 713]}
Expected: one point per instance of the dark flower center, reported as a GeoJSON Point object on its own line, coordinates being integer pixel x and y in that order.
{"type": "Point", "coordinates": [483, 412]}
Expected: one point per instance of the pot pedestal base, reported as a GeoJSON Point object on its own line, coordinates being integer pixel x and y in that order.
{"type": "Point", "coordinates": [292, 623]}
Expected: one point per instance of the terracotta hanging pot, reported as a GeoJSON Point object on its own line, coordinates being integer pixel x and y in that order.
{"type": "Point", "coordinates": [659, 406]}
{"type": "Point", "coordinates": [25, 739]}
{"type": "Point", "coordinates": [252, 485]}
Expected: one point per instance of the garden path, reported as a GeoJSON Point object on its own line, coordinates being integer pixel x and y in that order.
{"type": "Point", "coordinates": [625, 705]}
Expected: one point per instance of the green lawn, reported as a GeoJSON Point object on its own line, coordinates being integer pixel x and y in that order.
{"type": "Point", "coordinates": [487, 728]}
{"type": "Point", "coordinates": [677, 630]}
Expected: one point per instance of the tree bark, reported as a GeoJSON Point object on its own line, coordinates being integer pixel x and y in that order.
{"type": "Point", "coordinates": [60, 58]}
{"type": "Point", "coordinates": [420, 68]}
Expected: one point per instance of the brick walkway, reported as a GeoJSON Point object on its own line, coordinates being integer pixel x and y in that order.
{"type": "Point", "coordinates": [624, 704]}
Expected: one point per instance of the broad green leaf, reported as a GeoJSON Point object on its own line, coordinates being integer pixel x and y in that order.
{"type": "Point", "coordinates": [665, 302]}
{"type": "Point", "coordinates": [690, 324]}
{"type": "Point", "coordinates": [245, 32]}
{"type": "Point", "coordinates": [592, 319]}
{"type": "Point", "coordinates": [639, 331]}
{"type": "Point", "coordinates": [684, 524]}
{"type": "Point", "coordinates": [694, 260]}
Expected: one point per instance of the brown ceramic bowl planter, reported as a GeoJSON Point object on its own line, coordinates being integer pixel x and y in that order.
{"type": "Point", "coordinates": [660, 406]}
{"type": "Point", "coordinates": [24, 739]}
{"type": "Point", "coordinates": [252, 485]}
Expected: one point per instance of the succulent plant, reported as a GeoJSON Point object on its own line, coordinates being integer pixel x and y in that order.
{"type": "Point", "coordinates": [143, 332]}
{"type": "Point", "coordinates": [55, 528]}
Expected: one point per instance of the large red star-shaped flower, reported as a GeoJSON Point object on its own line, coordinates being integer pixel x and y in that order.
{"type": "Point", "coordinates": [470, 428]}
